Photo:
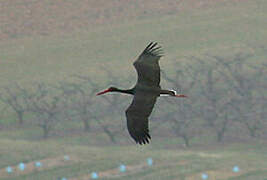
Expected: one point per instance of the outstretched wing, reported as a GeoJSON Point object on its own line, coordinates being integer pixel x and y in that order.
{"type": "Point", "coordinates": [137, 116]}
{"type": "Point", "coordinates": [147, 65]}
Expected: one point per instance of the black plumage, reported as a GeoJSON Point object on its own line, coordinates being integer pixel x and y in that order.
{"type": "Point", "coordinates": [146, 91]}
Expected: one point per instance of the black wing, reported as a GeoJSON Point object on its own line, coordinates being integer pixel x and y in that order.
{"type": "Point", "coordinates": [147, 65]}
{"type": "Point", "coordinates": [137, 116]}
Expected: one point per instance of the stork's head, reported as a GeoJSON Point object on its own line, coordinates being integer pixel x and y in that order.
{"type": "Point", "coordinates": [110, 89]}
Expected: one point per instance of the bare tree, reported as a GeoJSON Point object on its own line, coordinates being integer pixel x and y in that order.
{"type": "Point", "coordinates": [114, 105]}
{"type": "Point", "coordinates": [16, 98]}
{"type": "Point", "coordinates": [183, 112]}
{"type": "Point", "coordinates": [46, 108]}
{"type": "Point", "coordinates": [80, 101]}
{"type": "Point", "coordinates": [216, 97]}
{"type": "Point", "coordinates": [88, 107]}
{"type": "Point", "coordinates": [2, 112]}
{"type": "Point", "coordinates": [114, 112]}
{"type": "Point", "coordinates": [245, 82]}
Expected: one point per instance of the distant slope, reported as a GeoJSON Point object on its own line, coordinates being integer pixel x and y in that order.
{"type": "Point", "coordinates": [21, 18]}
{"type": "Point", "coordinates": [65, 38]}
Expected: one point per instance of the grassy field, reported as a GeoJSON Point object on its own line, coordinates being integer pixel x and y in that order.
{"type": "Point", "coordinates": [192, 29]}
{"type": "Point", "coordinates": [169, 163]}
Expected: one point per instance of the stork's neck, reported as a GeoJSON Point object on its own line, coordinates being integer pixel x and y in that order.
{"type": "Point", "coordinates": [125, 91]}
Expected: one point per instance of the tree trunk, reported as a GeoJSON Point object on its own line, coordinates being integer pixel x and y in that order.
{"type": "Point", "coordinates": [220, 136]}
{"type": "Point", "coordinates": [110, 135]}
{"type": "Point", "coordinates": [252, 130]}
{"type": "Point", "coordinates": [20, 117]}
{"type": "Point", "coordinates": [45, 131]}
{"type": "Point", "coordinates": [186, 140]}
{"type": "Point", "coordinates": [221, 132]}
{"type": "Point", "coordinates": [86, 125]}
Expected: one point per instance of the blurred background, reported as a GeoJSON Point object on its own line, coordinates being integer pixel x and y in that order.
{"type": "Point", "coordinates": [55, 56]}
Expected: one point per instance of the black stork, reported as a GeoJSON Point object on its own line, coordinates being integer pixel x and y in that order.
{"type": "Point", "coordinates": [146, 91]}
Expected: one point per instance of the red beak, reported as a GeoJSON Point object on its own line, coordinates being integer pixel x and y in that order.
{"type": "Point", "coordinates": [103, 92]}
{"type": "Point", "coordinates": [181, 95]}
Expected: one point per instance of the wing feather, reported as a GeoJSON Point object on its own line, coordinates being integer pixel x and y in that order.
{"type": "Point", "coordinates": [147, 65]}
{"type": "Point", "coordinates": [146, 93]}
{"type": "Point", "coordinates": [137, 116]}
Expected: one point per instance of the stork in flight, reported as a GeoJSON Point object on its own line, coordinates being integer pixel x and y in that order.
{"type": "Point", "coordinates": [146, 91]}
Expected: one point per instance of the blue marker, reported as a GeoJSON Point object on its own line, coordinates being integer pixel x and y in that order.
{"type": "Point", "coordinates": [9, 169]}
{"type": "Point", "coordinates": [94, 175]}
{"type": "Point", "coordinates": [122, 168]}
{"type": "Point", "coordinates": [22, 166]}
{"type": "Point", "coordinates": [236, 169]}
{"type": "Point", "coordinates": [64, 178]}
{"type": "Point", "coordinates": [66, 158]}
{"type": "Point", "coordinates": [38, 164]}
{"type": "Point", "coordinates": [204, 176]}
{"type": "Point", "coordinates": [149, 161]}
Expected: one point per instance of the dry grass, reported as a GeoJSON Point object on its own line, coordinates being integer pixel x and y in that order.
{"type": "Point", "coordinates": [223, 174]}
{"type": "Point", "coordinates": [47, 163]}
{"type": "Point", "coordinates": [21, 18]}
{"type": "Point", "coordinates": [130, 170]}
